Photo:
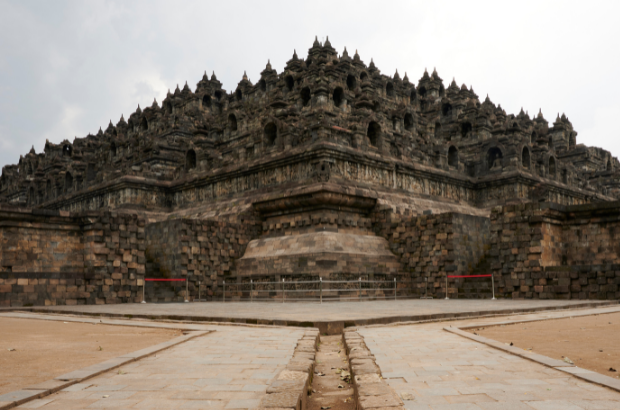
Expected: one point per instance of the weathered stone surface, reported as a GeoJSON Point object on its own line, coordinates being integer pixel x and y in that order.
{"type": "Point", "coordinates": [365, 369]}
{"type": "Point", "coordinates": [327, 169]}
{"type": "Point", "coordinates": [574, 256]}
{"type": "Point", "coordinates": [284, 400]}
{"type": "Point", "coordinates": [280, 386]}
{"type": "Point", "coordinates": [370, 378]}
{"type": "Point", "coordinates": [377, 401]}
{"type": "Point", "coordinates": [373, 389]}
{"type": "Point", "coordinates": [59, 259]}
{"type": "Point", "coordinates": [293, 375]}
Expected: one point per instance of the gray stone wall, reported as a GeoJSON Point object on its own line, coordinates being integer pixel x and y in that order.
{"type": "Point", "coordinates": [53, 258]}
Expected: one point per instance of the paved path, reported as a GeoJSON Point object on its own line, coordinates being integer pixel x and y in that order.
{"type": "Point", "coordinates": [314, 312]}
{"type": "Point", "coordinates": [446, 371]}
{"type": "Point", "coordinates": [230, 368]}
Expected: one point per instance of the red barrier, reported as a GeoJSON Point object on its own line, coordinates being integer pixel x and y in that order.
{"type": "Point", "coordinates": [469, 276]}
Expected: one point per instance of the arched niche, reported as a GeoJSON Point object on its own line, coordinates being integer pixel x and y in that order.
{"type": "Point", "coordinates": [466, 128]}
{"type": "Point", "coordinates": [68, 182]}
{"type": "Point", "coordinates": [494, 158]}
{"type": "Point", "coordinates": [232, 122]}
{"type": "Point", "coordinates": [144, 124]}
{"type": "Point", "coordinates": [305, 96]}
{"type": "Point", "coordinates": [338, 96]}
{"type": "Point", "coordinates": [112, 150]}
{"type": "Point", "coordinates": [408, 120]}
{"type": "Point", "coordinates": [453, 156]}
{"type": "Point", "coordinates": [271, 134]}
{"type": "Point", "coordinates": [525, 158]}
{"type": "Point", "coordinates": [351, 82]}
{"type": "Point", "coordinates": [206, 102]}
{"type": "Point", "coordinates": [565, 176]}
{"type": "Point", "coordinates": [552, 167]}
{"type": "Point", "coordinates": [373, 133]}
{"type": "Point", "coordinates": [290, 83]}
{"type": "Point", "coordinates": [190, 160]}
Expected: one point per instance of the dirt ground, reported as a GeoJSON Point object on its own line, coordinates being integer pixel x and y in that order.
{"type": "Point", "coordinates": [47, 349]}
{"type": "Point", "coordinates": [591, 342]}
{"type": "Point", "coordinates": [331, 389]}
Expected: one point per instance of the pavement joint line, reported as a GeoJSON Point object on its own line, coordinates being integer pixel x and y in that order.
{"type": "Point", "coordinates": [461, 318]}
{"type": "Point", "coordinates": [386, 320]}
{"type": "Point", "coordinates": [607, 311]}
{"type": "Point", "coordinates": [28, 393]}
{"type": "Point", "coordinates": [73, 319]}
{"type": "Point", "coordinates": [156, 319]}
{"type": "Point", "coordinates": [137, 322]}
{"type": "Point", "coordinates": [571, 369]}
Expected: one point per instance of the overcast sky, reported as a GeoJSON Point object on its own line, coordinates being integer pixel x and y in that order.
{"type": "Point", "coordinates": [68, 67]}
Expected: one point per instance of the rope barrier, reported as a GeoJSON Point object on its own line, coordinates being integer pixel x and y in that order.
{"type": "Point", "coordinates": [356, 286]}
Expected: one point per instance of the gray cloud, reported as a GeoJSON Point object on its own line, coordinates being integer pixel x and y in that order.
{"type": "Point", "coordinates": [68, 67]}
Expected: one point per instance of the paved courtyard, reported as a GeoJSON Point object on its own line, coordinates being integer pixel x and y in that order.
{"type": "Point", "coordinates": [229, 368]}
{"type": "Point", "coordinates": [427, 366]}
{"type": "Point", "coordinates": [361, 313]}
{"type": "Point", "coordinates": [441, 370]}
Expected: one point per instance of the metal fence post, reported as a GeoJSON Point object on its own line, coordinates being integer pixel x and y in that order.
{"type": "Point", "coordinates": [493, 286]}
{"type": "Point", "coordinates": [283, 294]}
{"type": "Point", "coordinates": [359, 287]}
{"type": "Point", "coordinates": [447, 286]}
{"type": "Point", "coordinates": [321, 289]}
{"type": "Point", "coordinates": [198, 291]}
{"type": "Point", "coordinates": [143, 292]}
{"type": "Point", "coordinates": [394, 288]}
{"type": "Point", "coordinates": [224, 289]}
{"type": "Point", "coordinates": [186, 290]}
{"type": "Point", "coordinates": [251, 291]}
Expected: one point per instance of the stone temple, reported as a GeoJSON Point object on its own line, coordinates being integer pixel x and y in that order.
{"type": "Point", "coordinates": [327, 169]}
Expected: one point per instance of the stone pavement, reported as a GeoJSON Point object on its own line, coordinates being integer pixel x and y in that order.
{"type": "Point", "coordinates": [359, 313]}
{"type": "Point", "coordinates": [444, 371]}
{"type": "Point", "coordinates": [230, 368]}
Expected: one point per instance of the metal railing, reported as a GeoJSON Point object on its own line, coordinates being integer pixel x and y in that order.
{"type": "Point", "coordinates": [316, 290]}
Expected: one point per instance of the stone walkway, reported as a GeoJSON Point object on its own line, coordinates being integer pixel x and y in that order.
{"type": "Point", "coordinates": [315, 312]}
{"type": "Point", "coordinates": [230, 368]}
{"type": "Point", "coordinates": [444, 371]}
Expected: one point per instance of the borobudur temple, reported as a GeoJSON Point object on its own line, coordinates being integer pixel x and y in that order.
{"type": "Point", "coordinates": [327, 169]}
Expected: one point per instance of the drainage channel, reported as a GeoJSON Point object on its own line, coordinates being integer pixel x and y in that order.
{"type": "Point", "coordinates": [332, 386]}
